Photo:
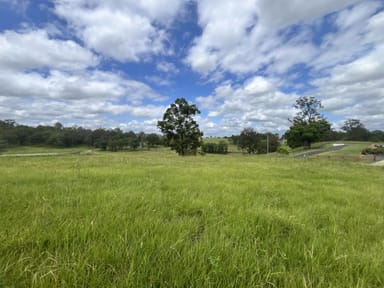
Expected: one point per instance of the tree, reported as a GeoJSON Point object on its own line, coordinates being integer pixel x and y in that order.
{"type": "Point", "coordinates": [308, 110]}
{"type": "Point", "coordinates": [376, 136]}
{"type": "Point", "coordinates": [249, 140]}
{"type": "Point", "coordinates": [181, 131]}
{"type": "Point", "coordinates": [355, 130]}
{"type": "Point", "coordinates": [153, 140]}
{"type": "Point", "coordinates": [269, 143]}
{"type": "Point", "coordinates": [3, 144]}
{"type": "Point", "coordinates": [308, 125]}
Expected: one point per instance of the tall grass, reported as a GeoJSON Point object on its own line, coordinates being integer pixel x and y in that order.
{"type": "Point", "coordinates": [158, 220]}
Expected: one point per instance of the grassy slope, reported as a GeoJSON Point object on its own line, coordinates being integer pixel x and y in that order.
{"type": "Point", "coordinates": [159, 220]}
{"type": "Point", "coordinates": [352, 149]}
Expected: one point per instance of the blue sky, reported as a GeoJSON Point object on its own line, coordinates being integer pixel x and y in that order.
{"type": "Point", "coordinates": [120, 63]}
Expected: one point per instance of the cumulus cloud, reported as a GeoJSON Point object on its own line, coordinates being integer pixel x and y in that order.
{"type": "Point", "coordinates": [257, 103]}
{"type": "Point", "coordinates": [45, 79]}
{"type": "Point", "coordinates": [245, 36]}
{"type": "Point", "coordinates": [83, 85]}
{"type": "Point", "coordinates": [270, 38]}
{"type": "Point", "coordinates": [34, 49]}
{"type": "Point", "coordinates": [356, 89]}
{"type": "Point", "coordinates": [88, 98]}
{"type": "Point", "coordinates": [123, 30]}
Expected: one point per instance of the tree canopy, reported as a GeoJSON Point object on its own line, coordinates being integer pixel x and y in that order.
{"type": "Point", "coordinates": [180, 129]}
{"type": "Point", "coordinates": [308, 125]}
{"type": "Point", "coordinates": [249, 140]}
{"type": "Point", "coordinates": [355, 130]}
{"type": "Point", "coordinates": [13, 134]}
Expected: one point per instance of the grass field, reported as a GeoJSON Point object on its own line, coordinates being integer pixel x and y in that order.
{"type": "Point", "coordinates": [42, 149]}
{"type": "Point", "coordinates": [154, 219]}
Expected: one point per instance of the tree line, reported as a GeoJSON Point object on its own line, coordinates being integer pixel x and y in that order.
{"type": "Point", "coordinates": [181, 132]}
{"type": "Point", "coordinates": [13, 134]}
{"type": "Point", "coordinates": [309, 126]}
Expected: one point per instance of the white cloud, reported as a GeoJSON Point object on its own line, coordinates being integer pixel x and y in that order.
{"type": "Point", "coordinates": [355, 33]}
{"type": "Point", "coordinates": [279, 13]}
{"type": "Point", "coordinates": [123, 30]}
{"type": "Point", "coordinates": [246, 36]}
{"type": "Point", "coordinates": [83, 98]}
{"type": "Point", "coordinates": [270, 37]}
{"type": "Point", "coordinates": [167, 67]}
{"type": "Point", "coordinates": [81, 85]}
{"type": "Point", "coordinates": [364, 69]}
{"type": "Point", "coordinates": [257, 103]}
{"type": "Point", "coordinates": [34, 49]}
{"type": "Point", "coordinates": [157, 80]}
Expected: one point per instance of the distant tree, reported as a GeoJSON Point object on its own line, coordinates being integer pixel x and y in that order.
{"type": "Point", "coordinates": [215, 148]}
{"type": "Point", "coordinates": [309, 110]}
{"type": "Point", "coordinates": [181, 131]}
{"type": "Point", "coordinates": [58, 126]}
{"type": "Point", "coordinates": [141, 138]}
{"type": "Point", "coordinates": [308, 125]}
{"type": "Point", "coordinates": [355, 130]}
{"type": "Point", "coordinates": [249, 140]}
{"type": "Point", "coordinates": [153, 140]}
{"type": "Point", "coordinates": [3, 144]}
{"type": "Point", "coordinates": [268, 139]}
{"type": "Point", "coordinates": [235, 139]}
{"type": "Point", "coordinates": [100, 139]}
{"type": "Point", "coordinates": [376, 136]}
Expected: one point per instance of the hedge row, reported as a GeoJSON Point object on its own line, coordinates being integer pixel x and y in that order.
{"type": "Point", "coordinates": [216, 148]}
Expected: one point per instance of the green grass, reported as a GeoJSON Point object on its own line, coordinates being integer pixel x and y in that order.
{"type": "Point", "coordinates": [152, 219]}
{"type": "Point", "coordinates": [42, 149]}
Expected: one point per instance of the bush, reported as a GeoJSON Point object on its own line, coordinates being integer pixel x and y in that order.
{"type": "Point", "coordinates": [214, 148]}
{"type": "Point", "coordinates": [284, 150]}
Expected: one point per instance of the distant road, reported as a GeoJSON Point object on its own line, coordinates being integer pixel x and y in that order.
{"type": "Point", "coordinates": [316, 152]}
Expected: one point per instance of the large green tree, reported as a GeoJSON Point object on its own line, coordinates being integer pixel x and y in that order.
{"type": "Point", "coordinates": [180, 129]}
{"type": "Point", "coordinates": [308, 125]}
{"type": "Point", "coordinates": [249, 140]}
{"type": "Point", "coordinates": [355, 130]}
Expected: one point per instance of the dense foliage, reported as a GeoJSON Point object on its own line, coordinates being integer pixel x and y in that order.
{"type": "Point", "coordinates": [251, 141]}
{"type": "Point", "coordinates": [308, 125]}
{"type": "Point", "coordinates": [13, 134]}
{"type": "Point", "coordinates": [180, 130]}
{"type": "Point", "coordinates": [215, 148]}
{"type": "Point", "coordinates": [284, 150]}
{"type": "Point", "coordinates": [355, 130]}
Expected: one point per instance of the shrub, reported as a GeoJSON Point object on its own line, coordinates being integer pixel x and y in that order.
{"type": "Point", "coordinates": [214, 148]}
{"type": "Point", "coordinates": [284, 150]}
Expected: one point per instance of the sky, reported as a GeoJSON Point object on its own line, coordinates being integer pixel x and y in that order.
{"type": "Point", "coordinates": [121, 63]}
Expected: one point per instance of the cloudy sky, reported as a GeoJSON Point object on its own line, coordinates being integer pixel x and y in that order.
{"type": "Point", "coordinates": [120, 63]}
